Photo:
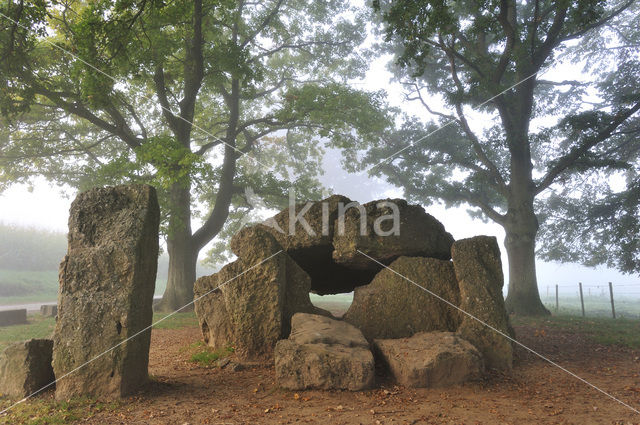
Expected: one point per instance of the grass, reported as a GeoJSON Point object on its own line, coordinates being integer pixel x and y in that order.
{"type": "Point", "coordinates": [176, 321]}
{"type": "Point", "coordinates": [594, 305]}
{"type": "Point", "coordinates": [38, 327]}
{"type": "Point", "coordinates": [45, 411]}
{"type": "Point", "coordinates": [25, 287]}
{"type": "Point", "coordinates": [206, 356]}
{"type": "Point", "coordinates": [28, 286]}
{"type": "Point", "coordinates": [602, 330]}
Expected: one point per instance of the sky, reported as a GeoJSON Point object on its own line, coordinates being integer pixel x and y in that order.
{"type": "Point", "coordinates": [46, 206]}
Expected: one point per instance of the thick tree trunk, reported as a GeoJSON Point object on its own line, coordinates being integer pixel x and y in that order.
{"type": "Point", "coordinates": [523, 297]}
{"type": "Point", "coordinates": [521, 226]}
{"type": "Point", "coordinates": [183, 255]}
{"type": "Point", "coordinates": [182, 274]}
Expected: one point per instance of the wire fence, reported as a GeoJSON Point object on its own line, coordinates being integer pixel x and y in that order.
{"type": "Point", "coordinates": [593, 300]}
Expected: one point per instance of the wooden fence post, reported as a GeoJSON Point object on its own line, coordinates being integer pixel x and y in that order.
{"type": "Point", "coordinates": [581, 298]}
{"type": "Point", "coordinates": [613, 307]}
{"type": "Point", "coordinates": [557, 304]}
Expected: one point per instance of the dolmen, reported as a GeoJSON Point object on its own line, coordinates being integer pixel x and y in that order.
{"type": "Point", "coordinates": [411, 281]}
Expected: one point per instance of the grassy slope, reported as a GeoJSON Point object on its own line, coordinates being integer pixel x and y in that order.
{"type": "Point", "coordinates": [24, 287]}
{"type": "Point", "coordinates": [39, 327]}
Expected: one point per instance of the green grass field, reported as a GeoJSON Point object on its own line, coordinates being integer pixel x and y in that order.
{"type": "Point", "coordinates": [594, 306]}
{"type": "Point", "coordinates": [18, 287]}
{"type": "Point", "coordinates": [25, 287]}
{"type": "Point", "coordinates": [40, 327]}
{"type": "Point", "coordinates": [602, 330]}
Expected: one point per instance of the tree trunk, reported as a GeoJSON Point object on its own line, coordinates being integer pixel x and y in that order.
{"type": "Point", "coordinates": [182, 275]}
{"type": "Point", "coordinates": [523, 297]}
{"type": "Point", "coordinates": [183, 255]}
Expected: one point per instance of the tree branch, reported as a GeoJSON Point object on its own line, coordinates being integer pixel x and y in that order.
{"type": "Point", "coordinates": [569, 159]}
{"type": "Point", "coordinates": [507, 19]}
{"type": "Point", "coordinates": [598, 23]}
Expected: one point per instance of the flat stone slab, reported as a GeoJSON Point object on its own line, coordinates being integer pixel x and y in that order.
{"type": "Point", "coordinates": [13, 317]}
{"type": "Point", "coordinates": [25, 367]}
{"type": "Point", "coordinates": [315, 329]}
{"type": "Point", "coordinates": [430, 359]}
{"type": "Point", "coordinates": [371, 229]}
{"type": "Point", "coordinates": [323, 353]}
{"type": "Point", "coordinates": [49, 310]}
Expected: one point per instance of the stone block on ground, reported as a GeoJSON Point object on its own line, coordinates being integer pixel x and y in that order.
{"type": "Point", "coordinates": [323, 353]}
{"type": "Point", "coordinates": [49, 310]}
{"type": "Point", "coordinates": [393, 307]}
{"type": "Point", "coordinates": [107, 281]}
{"type": "Point", "coordinates": [417, 234]}
{"type": "Point", "coordinates": [13, 317]}
{"type": "Point", "coordinates": [430, 359]}
{"type": "Point", "coordinates": [250, 302]}
{"type": "Point", "coordinates": [478, 269]}
{"type": "Point", "coordinates": [25, 367]}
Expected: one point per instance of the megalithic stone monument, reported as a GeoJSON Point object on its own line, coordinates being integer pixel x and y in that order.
{"type": "Point", "coordinates": [107, 281]}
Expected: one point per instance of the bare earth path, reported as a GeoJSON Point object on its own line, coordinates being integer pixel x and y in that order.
{"type": "Point", "coordinates": [536, 392]}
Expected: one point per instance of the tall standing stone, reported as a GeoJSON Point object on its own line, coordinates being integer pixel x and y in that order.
{"type": "Point", "coordinates": [107, 281]}
{"type": "Point", "coordinates": [249, 303]}
{"type": "Point", "coordinates": [478, 268]}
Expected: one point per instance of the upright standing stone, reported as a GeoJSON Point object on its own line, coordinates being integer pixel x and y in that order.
{"type": "Point", "coordinates": [478, 268]}
{"type": "Point", "coordinates": [107, 280]}
{"type": "Point", "coordinates": [249, 303]}
{"type": "Point", "coordinates": [393, 307]}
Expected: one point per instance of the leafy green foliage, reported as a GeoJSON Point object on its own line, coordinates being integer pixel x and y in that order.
{"type": "Point", "coordinates": [538, 133]}
{"type": "Point", "coordinates": [538, 136]}
{"type": "Point", "coordinates": [264, 83]}
{"type": "Point", "coordinates": [594, 226]}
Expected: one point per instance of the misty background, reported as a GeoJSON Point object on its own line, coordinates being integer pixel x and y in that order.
{"type": "Point", "coordinates": [38, 213]}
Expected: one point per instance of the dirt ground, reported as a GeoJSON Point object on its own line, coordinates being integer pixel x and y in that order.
{"type": "Point", "coordinates": [535, 392]}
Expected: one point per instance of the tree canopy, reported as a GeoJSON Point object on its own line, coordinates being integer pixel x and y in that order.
{"type": "Point", "coordinates": [200, 98]}
{"type": "Point", "coordinates": [494, 61]}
